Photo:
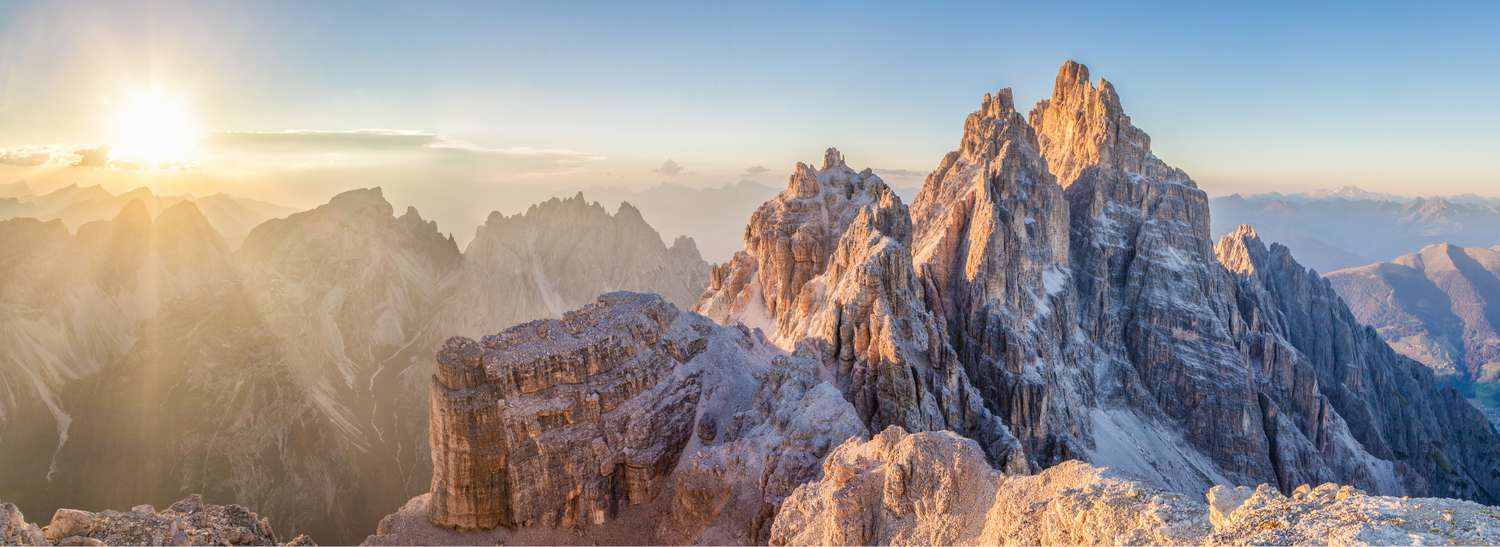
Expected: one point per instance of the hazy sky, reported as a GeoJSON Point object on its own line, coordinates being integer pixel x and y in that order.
{"type": "Point", "coordinates": [1393, 97]}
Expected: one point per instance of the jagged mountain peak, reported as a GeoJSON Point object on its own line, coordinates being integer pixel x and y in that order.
{"type": "Point", "coordinates": [134, 212]}
{"type": "Point", "coordinates": [1242, 251]}
{"type": "Point", "coordinates": [789, 240]}
{"type": "Point", "coordinates": [832, 158]}
{"type": "Point", "coordinates": [183, 231]}
{"type": "Point", "coordinates": [1083, 126]}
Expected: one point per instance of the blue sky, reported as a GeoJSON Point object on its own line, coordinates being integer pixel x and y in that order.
{"type": "Point", "coordinates": [1394, 97]}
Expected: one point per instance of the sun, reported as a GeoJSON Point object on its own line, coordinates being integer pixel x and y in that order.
{"type": "Point", "coordinates": [154, 128]}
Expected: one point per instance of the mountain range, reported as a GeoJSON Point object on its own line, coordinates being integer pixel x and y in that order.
{"type": "Point", "coordinates": [282, 375]}
{"type": "Point", "coordinates": [1334, 232]}
{"type": "Point", "coordinates": [1439, 306]}
{"type": "Point", "coordinates": [232, 217]}
{"type": "Point", "coordinates": [1053, 295]}
{"type": "Point", "coordinates": [1048, 327]}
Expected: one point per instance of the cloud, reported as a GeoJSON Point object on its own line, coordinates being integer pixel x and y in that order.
{"type": "Point", "coordinates": [321, 141]}
{"type": "Point", "coordinates": [138, 163]}
{"type": "Point", "coordinates": [96, 157]}
{"type": "Point", "coordinates": [257, 151]}
{"type": "Point", "coordinates": [103, 157]}
{"type": "Point", "coordinates": [753, 171]}
{"type": "Point", "coordinates": [669, 168]}
{"type": "Point", "coordinates": [31, 156]}
{"type": "Point", "coordinates": [900, 172]}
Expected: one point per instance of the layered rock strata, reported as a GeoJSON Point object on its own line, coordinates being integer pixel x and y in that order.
{"type": "Point", "coordinates": [934, 489]}
{"type": "Point", "coordinates": [1052, 295]}
{"type": "Point", "coordinates": [626, 402]}
{"type": "Point", "coordinates": [566, 420]}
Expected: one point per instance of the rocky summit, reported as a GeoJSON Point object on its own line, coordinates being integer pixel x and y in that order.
{"type": "Point", "coordinates": [1047, 346]}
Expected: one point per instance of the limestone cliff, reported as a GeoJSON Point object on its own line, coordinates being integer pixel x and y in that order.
{"type": "Point", "coordinates": [827, 266]}
{"type": "Point", "coordinates": [626, 419]}
{"type": "Point", "coordinates": [992, 253]}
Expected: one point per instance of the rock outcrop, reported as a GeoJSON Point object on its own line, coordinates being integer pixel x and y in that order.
{"type": "Point", "coordinates": [564, 420]}
{"type": "Point", "coordinates": [790, 240]}
{"type": "Point", "coordinates": [623, 410]}
{"type": "Point", "coordinates": [935, 489]}
{"type": "Point", "coordinates": [187, 522]}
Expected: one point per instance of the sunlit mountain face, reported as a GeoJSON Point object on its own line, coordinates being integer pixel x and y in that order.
{"type": "Point", "coordinates": [696, 248]}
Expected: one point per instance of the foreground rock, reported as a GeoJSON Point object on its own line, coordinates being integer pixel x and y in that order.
{"type": "Point", "coordinates": [935, 489]}
{"type": "Point", "coordinates": [187, 522]}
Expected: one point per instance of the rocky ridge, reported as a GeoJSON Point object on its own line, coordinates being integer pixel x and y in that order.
{"type": "Point", "coordinates": [187, 522]}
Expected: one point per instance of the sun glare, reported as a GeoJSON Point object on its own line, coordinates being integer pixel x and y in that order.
{"type": "Point", "coordinates": [154, 129]}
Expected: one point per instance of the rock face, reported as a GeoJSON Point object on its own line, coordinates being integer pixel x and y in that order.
{"type": "Point", "coordinates": [566, 420]}
{"type": "Point", "coordinates": [935, 489]}
{"type": "Point", "coordinates": [827, 265]}
{"type": "Point", "coordinates": [71, 303]}
{"type": "Point", "coordinates": [627, 402]}
{"type": "Point", "coordinates": [1128, 343]}
{"type": "Point", "coordinates": [1439, 443]}
{"type": "Point", "coordinates": [992, 253]}
{"type": "Point", "coordinates": [790, 240]}
{"type": "Point", "coordinates": [187, 522]}
{"type": "Point", "coordinates": [276, 389]}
